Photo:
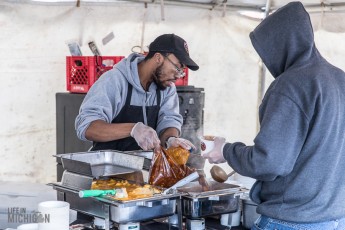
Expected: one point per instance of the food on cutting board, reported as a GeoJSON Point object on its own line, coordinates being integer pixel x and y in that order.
{"type": "Point", "coordinates": [134, 191]}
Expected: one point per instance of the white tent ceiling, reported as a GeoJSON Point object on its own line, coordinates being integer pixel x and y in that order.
{"type": "Point", "coordinates": [33, 50]}
{"type": "Point", "coordinates": [255, 9]}
{"type": "Point", "coordinates": [325, 14]}
{"type": "Point", "coordinates": [235, 4]}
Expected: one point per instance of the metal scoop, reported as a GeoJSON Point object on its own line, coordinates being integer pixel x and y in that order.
{"type": "Point", "coordinates": [182, 182]}
{"type": "Point", "coordinates": [219, 175]}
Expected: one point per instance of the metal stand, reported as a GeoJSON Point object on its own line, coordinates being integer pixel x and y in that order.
{"type": "Point", "coordinates": [107, 216]}
{"type": "Point", "coordinates": [179, 213]}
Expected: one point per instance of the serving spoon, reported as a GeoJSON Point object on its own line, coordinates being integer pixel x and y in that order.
{"type": "Point", "coordinates": [218, 174]}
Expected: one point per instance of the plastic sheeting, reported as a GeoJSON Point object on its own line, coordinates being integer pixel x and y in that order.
{"type": "Point", "coordinates": [32, 69]}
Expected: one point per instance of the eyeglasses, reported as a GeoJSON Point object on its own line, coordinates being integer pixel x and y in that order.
{"type": "Point", "coordinates": [178, 70]}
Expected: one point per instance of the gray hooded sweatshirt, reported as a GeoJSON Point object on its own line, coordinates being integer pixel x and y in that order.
{"type": "Point", "coordinates": [107, 96]}
{"type": "Point", "coordinates": [298, 156]}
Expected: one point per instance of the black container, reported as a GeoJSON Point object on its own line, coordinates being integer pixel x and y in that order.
{"type": "Point", "coordinates": [67, 109]}
{"type": "Point", "coordinates": [192, 101]}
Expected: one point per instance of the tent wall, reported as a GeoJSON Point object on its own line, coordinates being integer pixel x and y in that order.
{"type": "Point", "coordinates": [32, 69]}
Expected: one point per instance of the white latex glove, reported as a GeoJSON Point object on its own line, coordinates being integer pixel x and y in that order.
{"type": "Point", "coordinates": [215, 156]}
{"type": "Point", "coordinates": [177, 141]}
{"type": "Point", "coordinates": [145, 136]}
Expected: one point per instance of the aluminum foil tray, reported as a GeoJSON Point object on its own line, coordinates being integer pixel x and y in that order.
{"type": "Point", "coordinates": [101, 163]}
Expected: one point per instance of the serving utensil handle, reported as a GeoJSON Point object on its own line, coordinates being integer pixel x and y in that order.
{"type": "Point", "coordinates": [232, 173]}
{"type": "Point", "coordinates": [182, 182]}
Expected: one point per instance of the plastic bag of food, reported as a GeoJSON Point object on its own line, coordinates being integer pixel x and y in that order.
{"type": "Point", "coordinates": [179, 155]}
{"type": "Point", "coordinates": [169, 166]}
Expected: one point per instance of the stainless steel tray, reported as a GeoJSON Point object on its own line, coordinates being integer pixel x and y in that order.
{"type": "Point", "coordinates": [119, 211]}
{"type": "Point", "coordinates": [222, 198]}
{"type": "Point", "coordinates": [195, 191]}
{"type": "Point", "coordinates": [148, 155]}
{"type": "Point", "coordinates": [101, 163]}
{"type": "Point", "coordinates": [141, 153]}
{"type": "Point", "coordinates": [107, 207]}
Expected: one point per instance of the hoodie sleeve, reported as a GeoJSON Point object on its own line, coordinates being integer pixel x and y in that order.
{"type": "Point", "coordinates": [276, 147]}
{"type": "Point", "coordinates": [103, 101]}
{"type": "Point", "coordinates": [169, 116]}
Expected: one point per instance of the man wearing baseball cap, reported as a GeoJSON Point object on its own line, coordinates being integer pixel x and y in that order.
{"type": "Point", "coordinates": [171, 43]}
{"type": "Point", "coordinates": [135, 105]}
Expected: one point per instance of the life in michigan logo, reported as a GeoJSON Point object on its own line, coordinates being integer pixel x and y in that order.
{"type": "Point", "coordinates": [20, 215]}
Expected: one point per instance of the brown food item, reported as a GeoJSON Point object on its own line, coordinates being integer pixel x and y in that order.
{"type": "Point", "coordinates": [209, 138]}
{"type": "Point", "coordinates": [134, 191]}
{"type": "Point", "coordinates": [203, 182]}
{"type": "Point", "coordinates": [180, 155]}
{"type": "Point", "coordinates": [169, 166]}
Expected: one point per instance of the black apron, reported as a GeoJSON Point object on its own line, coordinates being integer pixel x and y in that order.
{"type": "Point", "coordinates": [131, 114]}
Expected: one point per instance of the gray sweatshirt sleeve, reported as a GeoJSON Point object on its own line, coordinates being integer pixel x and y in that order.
{"type": "Point", "coordinates": [169, 115]}
{"type": "Point", "coordinates": [277, 146]}
{"type": "Point", "coordinates": [103, 102]}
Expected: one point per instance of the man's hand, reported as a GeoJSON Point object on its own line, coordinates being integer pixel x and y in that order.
{"type": "Point", "coordinates": [145, 136]}
{"type": "Point", "coordinates": [176, 142]}
{"type": "Point", "coordinates": [215, 156]}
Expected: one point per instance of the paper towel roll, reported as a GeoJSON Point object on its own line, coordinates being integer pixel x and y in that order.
{"type": "Point", "coordinates": [55, 215]}
{"type": "Point", "coordinates": [28, 227]}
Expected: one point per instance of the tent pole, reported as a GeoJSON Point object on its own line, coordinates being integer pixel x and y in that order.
{"type": "Point", "coordinates": [162, 10]}
{"type": "Point", "coordinates": [143, 29]}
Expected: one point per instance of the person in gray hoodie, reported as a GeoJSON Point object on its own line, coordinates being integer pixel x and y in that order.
{"type": "Point", "coordinates": [135, 105]}
{"type": "Point", "coordinates": [298, 155]}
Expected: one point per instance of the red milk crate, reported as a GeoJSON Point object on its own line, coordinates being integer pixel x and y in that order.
{"type": "Point", "coordinates": [83, 71]}
{"type": "Point", "coordinates": [182, 81]}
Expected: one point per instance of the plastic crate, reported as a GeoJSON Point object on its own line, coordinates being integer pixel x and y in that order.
{"type": "Point", "coordinates": [83, 71]}
{"type": "Point", "coordinates": [183, 81]}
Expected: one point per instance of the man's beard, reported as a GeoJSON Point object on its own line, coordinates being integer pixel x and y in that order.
{"type": "Point", "coordinates": [157, 77]}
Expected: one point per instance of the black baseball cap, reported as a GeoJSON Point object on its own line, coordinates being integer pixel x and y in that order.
{"type": "Point", "coordinates": [171, 43]}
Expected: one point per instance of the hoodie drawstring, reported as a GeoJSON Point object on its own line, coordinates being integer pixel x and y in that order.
{"type": "Point", "coordinates": [144, 108]}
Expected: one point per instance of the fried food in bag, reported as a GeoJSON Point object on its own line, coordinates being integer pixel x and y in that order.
{"type": "Point", "coordinates": [169, 166]}
{"type": "Point", "coordinates": [179, 155]}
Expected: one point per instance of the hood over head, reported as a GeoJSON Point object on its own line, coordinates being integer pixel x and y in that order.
{"type": "Point", "coordinates": [284, 38]}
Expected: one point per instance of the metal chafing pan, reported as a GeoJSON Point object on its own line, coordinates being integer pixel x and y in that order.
{"type": "Point", "coordinates": [119, 211]}
{"type": "Point", "coordinates": [221, 198]}
{"type": "Point", "coordinates": [101, 163]}
{"type": "Point", "coordinates": [82, 168]}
